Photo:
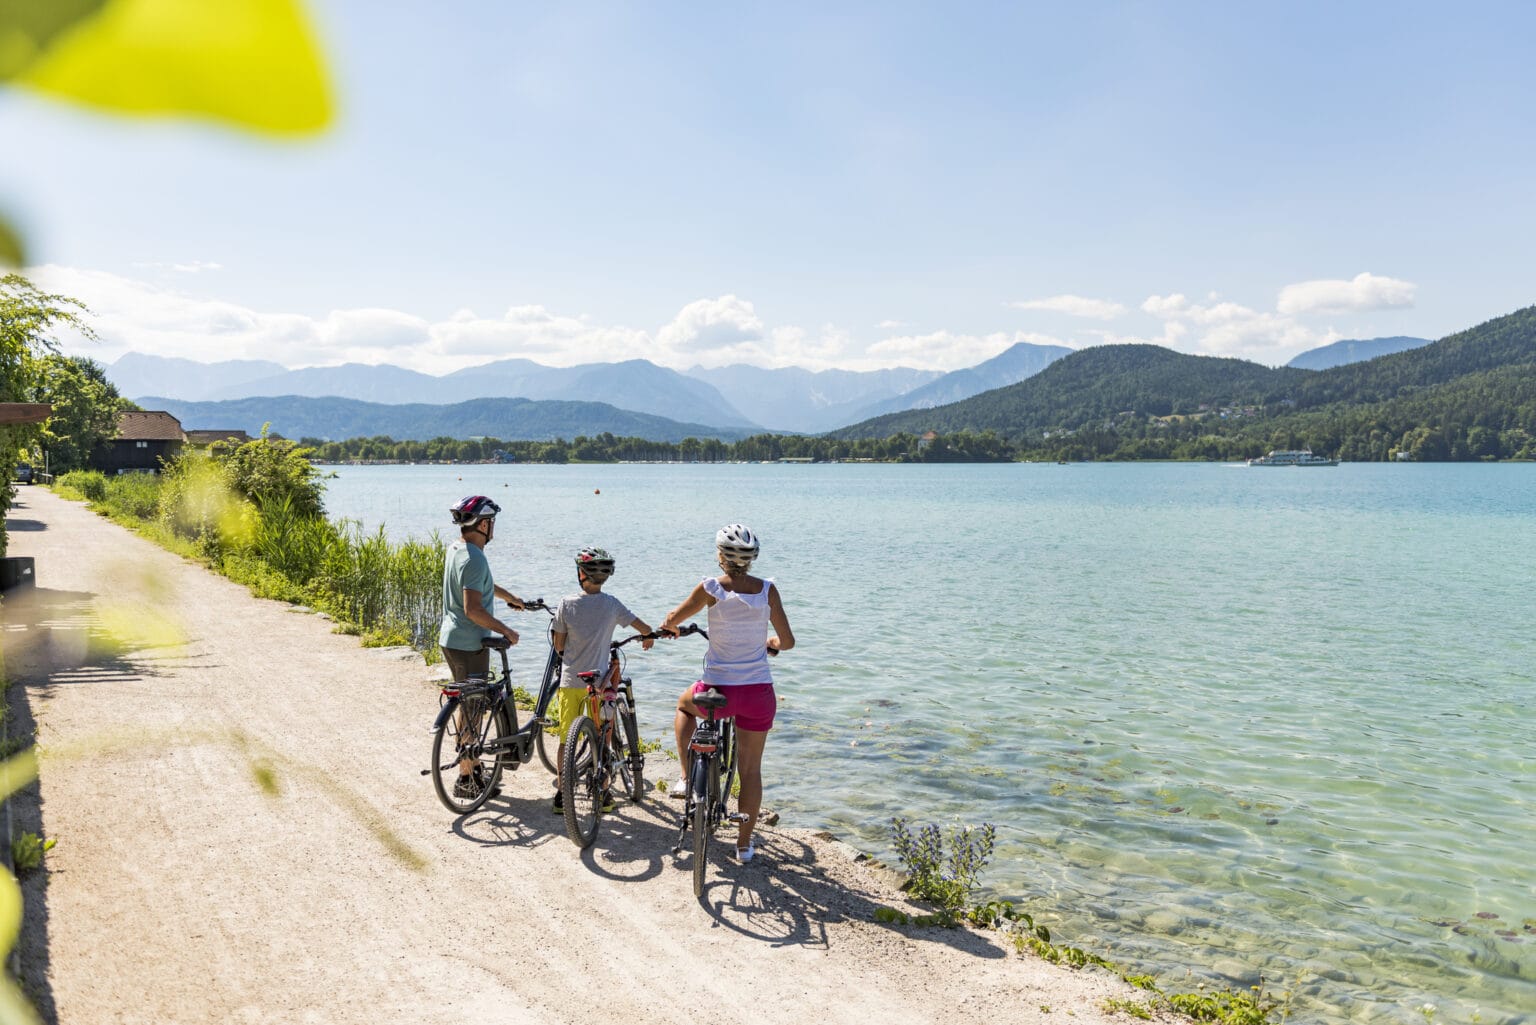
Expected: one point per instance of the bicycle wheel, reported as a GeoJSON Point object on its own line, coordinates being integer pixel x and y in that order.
{"type": "Point", "coordinates": [581, 783]}
{"type": "Point", "coordinates": [627, 756]}
{"type": "Point", "coordinates": [463, 738]}
{"type": "Point", "coordinates": [703, 771]}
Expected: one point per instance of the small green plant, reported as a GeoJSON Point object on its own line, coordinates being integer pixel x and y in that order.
{"type": "Point", "coordinates": [27, 852]}
{"type": "Point", "coordinates": [1231, 1006]}
{"type": "Point", "coordinates": [1134, 1008]}
{"type": "Point", "coordinates": [946, 879]}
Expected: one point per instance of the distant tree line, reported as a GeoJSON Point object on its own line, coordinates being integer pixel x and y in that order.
{"type": "Point", "coordinates": [959, 447]}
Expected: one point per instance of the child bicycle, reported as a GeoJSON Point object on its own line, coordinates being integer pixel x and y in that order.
{"type": "Point", "coordinates": [602, 747]}
{"type": "Point", "coordinates": [711, 776]}
{"type": "Point", "coordinates": [477, 727]}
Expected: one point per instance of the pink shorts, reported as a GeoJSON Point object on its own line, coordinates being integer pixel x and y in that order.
{"type": "Point", "coordinates": [753, 704]}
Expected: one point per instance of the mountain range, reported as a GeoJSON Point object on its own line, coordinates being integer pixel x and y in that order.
{"type": "Point", "coordinates": [722, 402]}
{"type": "Point", "coordinates": [332, 419]}
{"type": "Point", "coordinates": [1354, 350]}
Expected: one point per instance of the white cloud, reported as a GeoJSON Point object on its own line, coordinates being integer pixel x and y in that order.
{"type": "Point", "coordinates": [1074, 305]}
{"type": "Point", "coordinates": [707, 324]}
{"type": "Point", "coordinates": [1165, 305]}
{"type": "Point", "coordinates": [1217, 328]}
{"type": "Point", "coordinates": [150, 317]}
{"type": "Point", "coordinates": [1363, 293]}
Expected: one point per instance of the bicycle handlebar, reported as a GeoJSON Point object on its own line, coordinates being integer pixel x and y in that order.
{"type": "Point", "coordinates": [656, 635]}
{"type": "Point", "coordinates": [535, 605]}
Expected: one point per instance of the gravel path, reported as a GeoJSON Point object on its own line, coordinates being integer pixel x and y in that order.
{"type": "Point", "coordinates": [244, 836]}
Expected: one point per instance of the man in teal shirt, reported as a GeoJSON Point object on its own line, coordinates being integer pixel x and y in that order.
{"type": "Point", "coordinates": [469, 601]}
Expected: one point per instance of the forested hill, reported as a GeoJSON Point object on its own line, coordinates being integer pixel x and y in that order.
{"type": "Point", "coordinates": [1097, 386]}
{"type": "Point", "coordinates": [1508, 341]}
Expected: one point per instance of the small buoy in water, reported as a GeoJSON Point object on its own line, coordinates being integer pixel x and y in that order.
{"type": "Point", "coordinates": [597, 491]}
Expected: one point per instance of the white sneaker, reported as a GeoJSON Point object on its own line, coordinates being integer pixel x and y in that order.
{"type": "Point", "coordinates": [678, 791]}
{"type": "Point", "coordinates": [747, 853]}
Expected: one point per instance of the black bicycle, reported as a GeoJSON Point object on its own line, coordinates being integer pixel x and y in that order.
{"type": "Point", "coordinates": [602, 747]}
{"type": "Point", "coordinates": [711, 777]}
{"type": "Point", "coordinates": [476, 735]}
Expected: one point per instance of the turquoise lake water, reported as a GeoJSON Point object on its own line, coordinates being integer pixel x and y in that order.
{"type": "Point", "coordinates": [1245, 722]}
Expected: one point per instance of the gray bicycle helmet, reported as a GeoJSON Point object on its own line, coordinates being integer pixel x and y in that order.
{"type": "Point", "coordinates": [595, 563]}
{"type": "Point", "coordinates": [737, 544]}
{"type": "Point", "coordinates": [471, 509]}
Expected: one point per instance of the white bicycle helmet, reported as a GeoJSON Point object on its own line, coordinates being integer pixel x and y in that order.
{"type": "Point", "coordinates": [737, 544]}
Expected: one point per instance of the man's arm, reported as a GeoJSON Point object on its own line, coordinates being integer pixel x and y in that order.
{"type": "Point", "coordinates": [474, 609]}
{"type": "Point", "coordinates": [508, 597]}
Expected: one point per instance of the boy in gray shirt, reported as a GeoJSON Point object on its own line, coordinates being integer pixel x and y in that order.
{"type": "Point", "coordinates": [582, 630]}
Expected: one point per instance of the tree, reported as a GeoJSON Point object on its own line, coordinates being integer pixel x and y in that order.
{"type": "Point", "coordinates": [28, 318]}
{"type": "Point", "coordinates": [85, 407]}
{"type": "Point", "coordinates": [268, 470]}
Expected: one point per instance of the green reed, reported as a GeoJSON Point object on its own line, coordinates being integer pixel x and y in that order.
{"type": "Point", "coordinates": [391, 593]}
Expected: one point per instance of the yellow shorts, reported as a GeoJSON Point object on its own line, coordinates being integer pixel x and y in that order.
{"type": "Point", "coordinates": [569, 704]}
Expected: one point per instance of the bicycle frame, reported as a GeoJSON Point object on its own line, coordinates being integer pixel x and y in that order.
{"type": "Point", "coordinates": [519, 744]}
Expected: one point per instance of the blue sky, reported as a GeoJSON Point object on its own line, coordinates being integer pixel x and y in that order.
{"type": "Point", "coordinates": [857, 185]}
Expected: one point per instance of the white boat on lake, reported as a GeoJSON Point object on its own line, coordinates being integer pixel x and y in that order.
{"type": "Point", "coordinates": [1292, 457]}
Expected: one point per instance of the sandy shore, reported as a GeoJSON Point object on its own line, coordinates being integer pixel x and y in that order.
{"type": "Point", "coordinates": [244, 836]}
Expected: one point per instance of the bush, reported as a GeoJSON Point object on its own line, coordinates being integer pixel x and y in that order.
{"type": "Point", "coordinates": [134, 494]}
{"type": "Point", "coordinates": [88, 484]}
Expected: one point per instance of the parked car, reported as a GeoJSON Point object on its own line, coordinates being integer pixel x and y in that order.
{"type": "Point", "coordinates": [23, 474]}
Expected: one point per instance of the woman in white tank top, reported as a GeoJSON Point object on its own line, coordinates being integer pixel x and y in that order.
{"type": "Point", "coordinates": [741, 608]}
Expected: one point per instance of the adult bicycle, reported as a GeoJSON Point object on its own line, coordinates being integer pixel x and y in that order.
{"type": "Point", "coordinates": [602, 747]}
{"type": "Point", "coordinates": [476, 735]}
{"type": "Point", "coordinates": [711, 777]}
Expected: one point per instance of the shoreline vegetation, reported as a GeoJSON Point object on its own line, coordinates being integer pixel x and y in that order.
{"type": "Point", "coordinates": [1105, 445]}
{"type": "Point", "coordinates": [253, 513]}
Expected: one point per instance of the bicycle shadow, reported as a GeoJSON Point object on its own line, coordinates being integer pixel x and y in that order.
{"type": "Point", "coordinates": [511, 821]}
{"type": "Point", "coordinates": [791, 893]}
{"type": "Point", "coordinates": [633, 842]}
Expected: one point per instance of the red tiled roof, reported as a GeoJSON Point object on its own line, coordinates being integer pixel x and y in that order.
{"type": "Point", "coordinates": [148, 425]}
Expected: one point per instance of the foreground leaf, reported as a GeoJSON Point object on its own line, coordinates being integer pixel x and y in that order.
{"type": "Point", "coordinates": [252, 63]}
{"type": "Point", "coordinates": [11, 253]}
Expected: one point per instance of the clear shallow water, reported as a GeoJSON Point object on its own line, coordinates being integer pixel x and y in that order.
{"type": "Point", "coordinates": [1250, 722]}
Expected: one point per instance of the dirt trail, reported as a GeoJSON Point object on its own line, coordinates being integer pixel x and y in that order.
{"type": "Point", "coordinates": [244, 837]}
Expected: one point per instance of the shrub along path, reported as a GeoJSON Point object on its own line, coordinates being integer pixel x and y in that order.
{"type": "Point", "coordinates": [244, 836]}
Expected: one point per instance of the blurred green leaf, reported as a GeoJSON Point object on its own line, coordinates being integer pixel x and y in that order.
{"type": "Point", "coordinates": [27, 27]}
{"type": "Point", "coordinates": [17, 771]}
{"type": "Point", "coordinates": [11, 253]}
{"type": "Point", "coordinates": [252, 63]}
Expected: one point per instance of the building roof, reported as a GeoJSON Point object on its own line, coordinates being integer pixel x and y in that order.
{"type": "Point", "coordinates": [208, 437]}
{"type": "Point", "coordinates": [148, 425]}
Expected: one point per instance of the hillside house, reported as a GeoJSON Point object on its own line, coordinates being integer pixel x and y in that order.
{"type": "Point", "coordinates": [144, 439]}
